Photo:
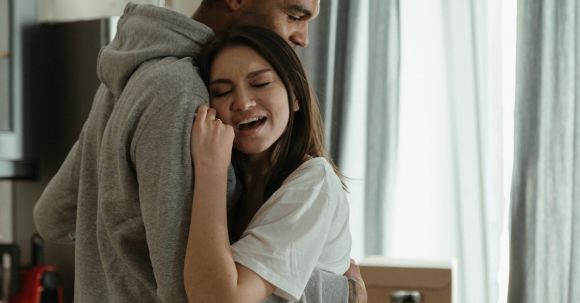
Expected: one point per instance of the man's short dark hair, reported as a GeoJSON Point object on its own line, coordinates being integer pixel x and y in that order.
{"type": "Point", "coordinates": [210, 3]}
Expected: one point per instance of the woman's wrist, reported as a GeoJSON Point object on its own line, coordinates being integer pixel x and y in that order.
{"type": "Point", "coordinates": [208, 169]}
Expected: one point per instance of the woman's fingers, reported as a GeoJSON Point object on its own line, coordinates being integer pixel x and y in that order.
{"type": "Point", "coordinates": [207, 114]}
{"type": "Point", "coordinates": [201, 113]}
{"type": "Point", "coordinates": [211, 115]}
{"type": "Point", "coordinates": [211, 139]}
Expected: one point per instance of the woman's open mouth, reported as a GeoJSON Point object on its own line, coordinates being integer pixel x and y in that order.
{"type": "Point", "coordinates": [251, 123]}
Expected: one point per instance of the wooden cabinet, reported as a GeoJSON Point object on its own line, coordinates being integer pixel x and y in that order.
{"type": "Point", "coordinates": [392, 281]}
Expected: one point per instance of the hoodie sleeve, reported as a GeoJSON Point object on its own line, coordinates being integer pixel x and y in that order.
{"type": "Point", "coordinates": [163, 165]}
{"type": "Point", "coordinates": [322, 287]}
{"type": "Point", "coordinates": [55, 211]}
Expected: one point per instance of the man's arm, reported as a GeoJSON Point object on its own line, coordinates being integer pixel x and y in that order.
{"type": "Point", "coordinates": [357, 292]}
{"type": "Point", "coordinates": [163, 168]}
{"type": "Point", "coordinates": [325, 287]}
{"type": "Point", "coordinates": [55, 211]}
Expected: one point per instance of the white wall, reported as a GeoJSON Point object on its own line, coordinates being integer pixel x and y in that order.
{"type": "Point", "coordinates": [75, 10]}
{"type": "Point", "coordinates": [6, 222]}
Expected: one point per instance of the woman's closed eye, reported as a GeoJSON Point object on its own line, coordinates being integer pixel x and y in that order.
{"type": "Point", "coordinates": [220, 89]}
{"type": "Point", "coordinates": [261, 84]}
{"type": "Point", "coordinates": [219, 94]}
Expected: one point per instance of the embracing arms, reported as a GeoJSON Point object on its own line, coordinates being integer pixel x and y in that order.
{"type": "Point", "coordinates": [211, 275]}
{"type": "Point", "coordinates": [357, 292]}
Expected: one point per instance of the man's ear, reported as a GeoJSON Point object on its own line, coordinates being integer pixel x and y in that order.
{"type": "Point", "coordinates": [295, 105]}
{"type": "Point", "coordinates": [235, 5]}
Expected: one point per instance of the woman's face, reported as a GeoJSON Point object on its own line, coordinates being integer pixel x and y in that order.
{"type": "Point", "coordinates": [247, 93]}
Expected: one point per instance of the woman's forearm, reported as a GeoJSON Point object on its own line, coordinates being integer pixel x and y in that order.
{"type": "Point", "coordinates": [210, 273]}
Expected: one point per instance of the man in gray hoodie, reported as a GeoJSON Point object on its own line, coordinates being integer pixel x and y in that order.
{"type": "Point", "coordinates": [123, 194]}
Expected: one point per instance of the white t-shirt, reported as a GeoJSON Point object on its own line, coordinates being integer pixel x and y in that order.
{"type": "Point", "coordinates": [302, 226]}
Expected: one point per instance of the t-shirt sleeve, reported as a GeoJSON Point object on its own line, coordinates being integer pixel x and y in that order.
{"type": "Point", "coordinates": [286, 237]}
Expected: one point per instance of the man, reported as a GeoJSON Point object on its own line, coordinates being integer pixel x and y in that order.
{"type": "Point", "coordinates": [123, 194]}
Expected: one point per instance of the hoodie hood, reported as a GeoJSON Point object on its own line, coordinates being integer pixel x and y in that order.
{"type": "Point", "coordinates": [146, 32]}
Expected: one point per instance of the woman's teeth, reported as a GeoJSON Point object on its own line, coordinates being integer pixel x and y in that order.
{"type": "Point", "coordinates": [251, 123]}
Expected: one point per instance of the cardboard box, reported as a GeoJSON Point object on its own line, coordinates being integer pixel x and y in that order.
{"type": "Point", "coordinates": [386, 279]}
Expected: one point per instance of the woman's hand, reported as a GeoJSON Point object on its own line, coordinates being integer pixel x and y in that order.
{"type": "Point", "coordinates": [211, 141]}
{"type": "Point", "coordinates": [210, 273]}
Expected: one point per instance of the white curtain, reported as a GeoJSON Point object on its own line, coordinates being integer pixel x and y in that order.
{"type": "Point", "coordinates": [382, 120]}
{"type": "Point", "coordinates": [449, 189]}
{"type": "Point", "coordinates": [436, 138]}
{"type": "Point", "coordinates": [337, 63]}
{"type": "Point", "coordinates": [353, 61]}
{"type": "Point", "coordinates": [545, 235]}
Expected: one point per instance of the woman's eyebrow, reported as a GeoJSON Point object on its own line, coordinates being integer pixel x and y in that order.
{"type": "Point", "coordinates": [220, 81]}
{"type": "Point", "coordinates": [249, 76]}
{"type": "Point", "coordinates": [258, 72]}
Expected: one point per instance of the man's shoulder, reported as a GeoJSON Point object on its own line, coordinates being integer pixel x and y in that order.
{"type": "Point", "coordinates": [169, 75]}
{"type": "Point", "coordinates": [164, 79]}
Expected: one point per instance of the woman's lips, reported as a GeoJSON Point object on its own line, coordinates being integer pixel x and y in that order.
{"type": "Point", "coordinates": [252, 130]}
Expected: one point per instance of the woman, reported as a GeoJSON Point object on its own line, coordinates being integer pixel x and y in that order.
{"type": "Point", "coordinates": [292, 213]}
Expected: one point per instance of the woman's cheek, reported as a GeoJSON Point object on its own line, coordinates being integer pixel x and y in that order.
{"type": "Point", "coordinates": [221, 111]}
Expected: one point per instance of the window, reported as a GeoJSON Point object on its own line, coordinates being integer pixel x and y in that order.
{"type": "Point", "coordinates": [455, 145]}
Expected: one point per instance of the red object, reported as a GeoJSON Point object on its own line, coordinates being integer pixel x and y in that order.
{"type": "Point", "coordinates": [39, 284]}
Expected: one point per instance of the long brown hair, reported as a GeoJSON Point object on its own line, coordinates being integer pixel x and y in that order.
{"type": "Point", "coordinates": [303, 137]}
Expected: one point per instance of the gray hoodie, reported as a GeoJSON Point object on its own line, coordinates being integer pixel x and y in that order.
{"type": "Point", "coordinates": [123, 194]}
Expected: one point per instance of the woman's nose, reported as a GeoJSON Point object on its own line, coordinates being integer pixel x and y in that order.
{"type": "Point", "coordinates": [243, 101]}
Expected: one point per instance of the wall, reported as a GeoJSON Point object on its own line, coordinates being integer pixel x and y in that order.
{"type": "Point", "coordinates": [63, 77]}
{"type": "Point", "coordinates": [6, 213]}
{"type": "Point", "coordinates": [77, 10]}
{"type": "Point", "coordinates": [60, 77]}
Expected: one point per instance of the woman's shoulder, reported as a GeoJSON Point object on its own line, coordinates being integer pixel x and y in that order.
{"type": "Point", "coordinates": [313, 185]}
{"type": "Point", "coordinates": [315, 171]}
{"type": "Point", "coordinates": [315, 164]}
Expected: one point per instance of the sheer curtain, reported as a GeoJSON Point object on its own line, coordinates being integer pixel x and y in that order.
{"type": "Point", "coordinates": [384, 49]}
{"type": "Point", "coordinates": [330, 63]}
{"type": "Point", "coordinates": [449, 196]}
{"type": "Point", "coordinates": [545, 235]}
{"type": "Point", "coordinates": [417, 97]}
{"type": "Point", "coordinates": [356, 78]}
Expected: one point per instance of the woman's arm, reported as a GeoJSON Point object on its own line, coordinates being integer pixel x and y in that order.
{"type": "Point", "coordinates": [210, 273]}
